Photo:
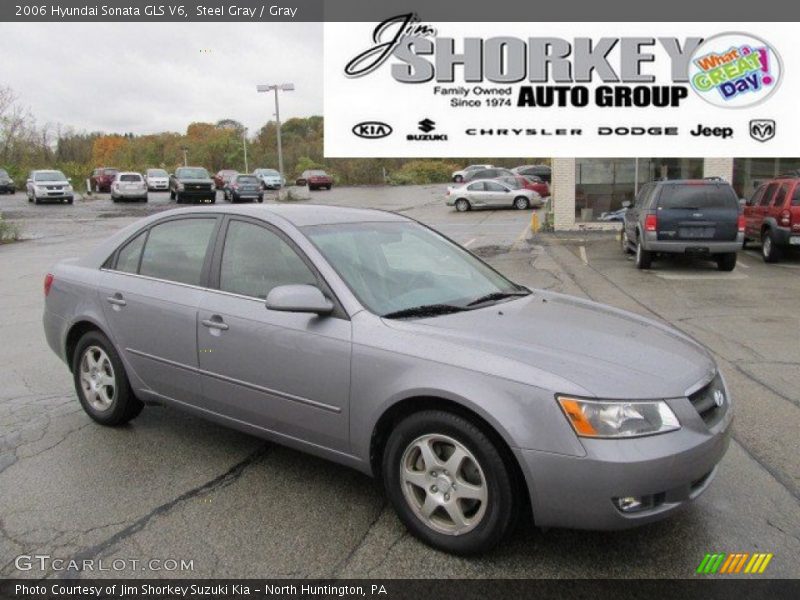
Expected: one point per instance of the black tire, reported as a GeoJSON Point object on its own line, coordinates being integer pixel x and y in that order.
{"type": "Point", "coordinates": [124, 405]}
{"type": "Point", "coordinates": [171, 195]}
{"type": "Point", "coordinates": [770, 251]}
{"type": "Point", "coordinates": [644, 258]}
{"type": "Point", "coordinates": [69, 201]}
{"type": "Point", "coordinates": [500, 511]}
{"type": "Point", "coordinates": [521, 203]}
{"type": "Point", "coordinates": [178, 198]}
{"type": "Point", "coordinates": [260, 199]}
{"type": "Point", "coordinates": [463, 205]}
{"type": "Point", "coordinates": [726, 262]}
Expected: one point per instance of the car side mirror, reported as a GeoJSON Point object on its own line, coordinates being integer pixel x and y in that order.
{"type": "Point", "coordinates": [299, 298]}
{"type": "Point", "coordinates": [626, 204]}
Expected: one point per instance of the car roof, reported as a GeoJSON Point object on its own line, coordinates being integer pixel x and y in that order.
{"type": "Point", "coordinates": [299, 215]}
{"type": "Point", "coordinates": [710, 181]}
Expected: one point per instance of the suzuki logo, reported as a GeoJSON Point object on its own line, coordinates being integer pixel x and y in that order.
{"type": "Point", "coordinates": [719, 398]}
{"type": "Point", "coordinates": [762, 130]}
{"type": "Point", "coordinates": [372, 130]}
{"type": "Point", "coordinates": [426, 125]}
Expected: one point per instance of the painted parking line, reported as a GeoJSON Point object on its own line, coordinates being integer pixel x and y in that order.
{"type": "Point", "coordinates": [584, 258]}
{"type": "Point", "coordinates": [700, 276]}
{"type": "Point", "coordinates": [469, 243]}
{"type": "Point", "coordinates": [741, 264]}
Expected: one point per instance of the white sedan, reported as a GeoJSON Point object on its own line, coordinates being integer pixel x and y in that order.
{"type": "Point", "coordinates": [157, 180]}
{"type": "Point", "coordinates": [490, 193]}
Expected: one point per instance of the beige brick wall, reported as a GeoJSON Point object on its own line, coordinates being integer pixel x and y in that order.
{"type": "Point", "coordinates": [562, 190]}
{"type": "Point", "coordinates": [718, 167]}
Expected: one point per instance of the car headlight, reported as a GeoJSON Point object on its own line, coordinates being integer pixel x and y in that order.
{"type": "Point", "coordinates": [180, 186]}
{"type": "Point", "coordinates": [40, 189]}
{"type": "Point", "coordinates": [67, 188]}
{"type": "Point", "coordinates": [618, 419]}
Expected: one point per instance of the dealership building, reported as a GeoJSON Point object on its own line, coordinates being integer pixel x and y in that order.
{"type": "Point", "coordinates": [585, 188]}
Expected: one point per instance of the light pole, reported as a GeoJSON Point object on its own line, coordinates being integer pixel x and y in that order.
{"type": "Point", "coordinates": [244, 145]}
{"type": "Point", "coordinates": [185, 159]}
{"type": "Point", "coordinates": [286, 87]}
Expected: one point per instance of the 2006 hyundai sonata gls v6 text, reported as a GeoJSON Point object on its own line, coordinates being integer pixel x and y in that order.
{"type": "Point", "coordinates": [371, 340]}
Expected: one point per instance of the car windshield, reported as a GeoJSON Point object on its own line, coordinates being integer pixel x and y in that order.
{"type": "Point", "coordinates": [268, 172]}
{"type": "Point", "coordinates": [395, 267]}
{"type": "Point", "coordinates": [247, 179]}
{"type": "Point", "coordinates": [130, 177]}
{"type": "Point", "coordinates": [317, 174]}
{"type": "Point", "coordinates": [49, 176]}
{"type": "Point", "coordinates": [694, 196]}
{"type": "Point", "coordinates": [3, 173]}
{"type": "Point", "coordinates": [191, 173]}
{"type": "Point", "coordinates": [156, 173]}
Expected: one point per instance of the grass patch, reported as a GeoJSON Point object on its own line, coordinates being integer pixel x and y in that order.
{"type": "Point", "coordinates": [9, 232]}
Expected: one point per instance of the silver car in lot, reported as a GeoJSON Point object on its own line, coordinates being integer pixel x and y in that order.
{"type": "Point", "coordinates": [128, 185]}
{"type": "Point", "coordinates": [491, 193]}
{"type": "Point", "coordinates": [371, 340]}
{"type": "Point", "coordinates": [49, 186]}
{"type": "Point", "coordinates": [157, 180]}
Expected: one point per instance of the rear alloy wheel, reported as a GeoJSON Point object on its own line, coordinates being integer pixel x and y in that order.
{"type": "Point", "coordinates": [644, 258]}
{"type": "Point", "coordinates": [726, 262]}
{"type": "Point", "coordinates": [521, 203]}
{"type": "Point", "coordinates": [101, 383]}
{"type": "Point", "coordinates": [448, 483]}
{"type": "Point", "coordinates": [462, 205]}
{"type": "Point", "coordinates": [769, 249]}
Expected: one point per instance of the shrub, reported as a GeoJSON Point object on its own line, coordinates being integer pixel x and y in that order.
{"type": "Point", "coordinates": [423, 171]}
{"type": "Point", "coordinates": [9, 232]}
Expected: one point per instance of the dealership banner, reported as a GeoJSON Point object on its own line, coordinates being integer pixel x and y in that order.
{"type": "Point", "coordinates": [407, 86]}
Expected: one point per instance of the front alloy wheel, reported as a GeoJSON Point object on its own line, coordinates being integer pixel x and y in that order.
{"type": "Point", "coordinates": [444, 484]}
{"type": "Point", "coordinates": [448, 482]}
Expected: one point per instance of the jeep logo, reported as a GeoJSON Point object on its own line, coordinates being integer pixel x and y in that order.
{"type": "Point", "coordinates": [372, 130]}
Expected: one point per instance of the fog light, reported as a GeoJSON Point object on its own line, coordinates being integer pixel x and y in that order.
{"type": "Point", "coordinates": [630, 503]}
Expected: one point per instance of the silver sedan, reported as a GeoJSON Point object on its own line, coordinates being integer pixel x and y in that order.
{"type": "Point", "coordinates": [371, 340]}
{"type": "Point", "coordinates": [490, 193]}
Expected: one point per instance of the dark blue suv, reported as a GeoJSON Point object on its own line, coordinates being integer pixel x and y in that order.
{"type": "Point", "coordinates": [699, 217]}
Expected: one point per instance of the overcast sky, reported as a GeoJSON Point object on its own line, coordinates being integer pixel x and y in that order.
{"type": "Point", "coordinates": [147, 78]}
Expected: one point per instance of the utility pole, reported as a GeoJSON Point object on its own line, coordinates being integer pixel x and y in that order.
{"type": "Point", "coordinates": [286, 87]}
{"type": "Point", "coordinates": [244, 144]}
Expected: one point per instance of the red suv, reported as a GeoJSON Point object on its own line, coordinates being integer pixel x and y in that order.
{"type": "Point", "coordinates": [102, 178]}
{"type": "Point", "coordinates": [772, 216]}
{"type": "Point", "coordinates": [222, 177]}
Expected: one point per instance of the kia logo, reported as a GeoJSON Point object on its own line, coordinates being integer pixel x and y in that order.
{"type": "Point", "coordinates": [372, 130]}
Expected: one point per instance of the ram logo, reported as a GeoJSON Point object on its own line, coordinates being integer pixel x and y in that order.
{"type": "Point", "coordinates": [762, 130]}
{"type": "Point", "coordinates": [372, 130]}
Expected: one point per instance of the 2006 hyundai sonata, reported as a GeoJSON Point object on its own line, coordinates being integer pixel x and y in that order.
{"type": "Point", "coordinates": [371, 340]}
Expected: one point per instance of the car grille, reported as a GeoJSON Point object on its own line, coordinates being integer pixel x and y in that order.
{"type": "Point", "coordinates": [705, 399]}
{"type": "Point", "coordinates": [196, 187]}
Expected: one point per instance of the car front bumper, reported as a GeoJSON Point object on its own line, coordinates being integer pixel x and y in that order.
{"type": "Point", "coordinates": [669, 469]}
{"type": "Point", "coordinates": [158, 185]}
{"type": "Point", "coordinates": [131, 193]}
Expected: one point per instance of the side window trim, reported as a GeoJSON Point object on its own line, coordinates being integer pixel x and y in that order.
{"type": "Point", "coordinates": [210, 249]}
{"type": "Point", "coordinates": [215, 265]}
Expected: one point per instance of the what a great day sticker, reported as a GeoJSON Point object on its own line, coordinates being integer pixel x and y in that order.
{"type": "Point", "coordinates": [734, 70]}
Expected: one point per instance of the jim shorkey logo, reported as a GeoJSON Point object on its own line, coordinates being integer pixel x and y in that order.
{"type": "Point", "coordinates": [729, 69]}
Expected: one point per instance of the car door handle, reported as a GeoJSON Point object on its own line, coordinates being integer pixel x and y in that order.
{"type": "Point", "coordinates": [213, 323]}
{"type": "Point", "coordinates": [117, 300]}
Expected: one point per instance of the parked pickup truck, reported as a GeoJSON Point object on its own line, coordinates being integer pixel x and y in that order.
{"type": "Point", "coordinates": [192, 184]}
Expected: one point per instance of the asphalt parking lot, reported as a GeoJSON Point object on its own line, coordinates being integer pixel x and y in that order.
{"type": "Point", "coordinates": [170, 486]}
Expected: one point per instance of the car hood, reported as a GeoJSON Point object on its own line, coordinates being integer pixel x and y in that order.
{"type": "Point", "coordinates": [189, 180]}
{"type": "Point", "coordinates": [604, 351]}
{"type": "Point", "coordinates": [44, 183]}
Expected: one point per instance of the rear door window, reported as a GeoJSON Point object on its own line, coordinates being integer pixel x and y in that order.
{"type": "Point", "coordinates": [128, 257]}
{"type": "Point", "coordinates": [697, 197]}
{"type": "Point", "coordinates": [780, 197]}
{"type": "Point", "coordinates": [176, 250]}
{"type": "Point", "coordinates": [476, 187]}
{"type": "Point", "coordinates": [768, 194]}
{"type": "Point", "coordinates": [796, 196]}
{"type": "Point", "coordinates": [757, 195]}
